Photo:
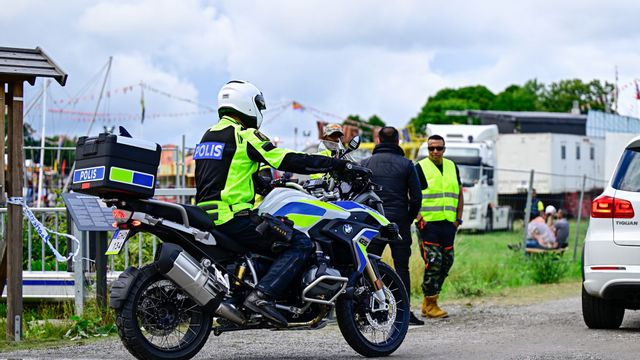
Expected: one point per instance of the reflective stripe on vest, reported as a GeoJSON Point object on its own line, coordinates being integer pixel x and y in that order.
{"type": "Point", "coordinates": [440, 199]}
{"type": "Point", "coordinates": [221, 212]}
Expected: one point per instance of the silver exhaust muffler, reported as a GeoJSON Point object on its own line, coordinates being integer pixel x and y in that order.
{"type": "Point", "coordinates": [205, 284]}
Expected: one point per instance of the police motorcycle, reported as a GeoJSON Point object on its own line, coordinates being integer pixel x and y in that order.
{"type": "Point", "coordinates": [198, 281]}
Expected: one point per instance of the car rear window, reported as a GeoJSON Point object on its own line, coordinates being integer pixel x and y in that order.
{"type": "Point", "coordinates": [627, 175]}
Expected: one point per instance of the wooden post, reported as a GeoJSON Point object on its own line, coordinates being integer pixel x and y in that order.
{"type": "Point", "coordinates": [99, 241]}
{"type": "Point", "coordinates": [14, 223]}
{"type": "Point", "coordinates": [2, 144]}
{"type": "Point", "coordinates": [527, 210]}
{"type": "Point", "coordinates": [3, 236]}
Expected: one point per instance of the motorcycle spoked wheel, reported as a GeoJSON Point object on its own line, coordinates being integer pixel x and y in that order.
{"type": "Point", "coordinates": [375, 334]}
{"type": "Point", "coordinates": [160, 321]}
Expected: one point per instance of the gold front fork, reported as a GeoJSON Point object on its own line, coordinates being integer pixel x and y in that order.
{"type": "Point", "coordinates": [373, 278]}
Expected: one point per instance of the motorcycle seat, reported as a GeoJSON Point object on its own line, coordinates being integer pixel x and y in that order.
{"type": "Point", "coordinates": [195, 216]}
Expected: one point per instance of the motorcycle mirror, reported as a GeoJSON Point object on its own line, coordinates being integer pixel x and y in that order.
{"type": "Point", "coordinates": [354, 143]}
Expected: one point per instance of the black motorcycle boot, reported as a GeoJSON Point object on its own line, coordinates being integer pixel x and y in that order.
{"type": "Point", "coordinates": [413, 320]}
{"type": "Point", "coordinates": [258, 302]}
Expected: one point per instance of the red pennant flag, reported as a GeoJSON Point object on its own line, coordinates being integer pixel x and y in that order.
{"type": "Point", "coordinates": [637, 91]}
{"type": "Point", "coordinates": [297, 106]}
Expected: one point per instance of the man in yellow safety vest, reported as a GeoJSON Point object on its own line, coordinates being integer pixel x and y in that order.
{"type": "Point", "coordinates": [438, 220]}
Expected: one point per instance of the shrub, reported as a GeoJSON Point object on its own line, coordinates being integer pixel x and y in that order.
{"type": "Point", "coordinates": [547, 268]}
{"type": "Point", "coordinates": [85, 326]}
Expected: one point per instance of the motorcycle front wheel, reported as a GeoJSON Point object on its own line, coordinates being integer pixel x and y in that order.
{"type": "Point", "coordinates": [380, 333]}
{"type": "Point", "coordinates": [160, 321]}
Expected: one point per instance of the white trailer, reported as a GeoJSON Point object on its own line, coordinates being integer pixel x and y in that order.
{"type": "Point", "coordinates": [473, 149]}
{"type": "Point", "coordinates": [559, 161]}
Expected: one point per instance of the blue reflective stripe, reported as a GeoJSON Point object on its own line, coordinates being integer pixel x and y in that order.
{"type": "Point", "coordinates": [349, 205]}
{"type": "Point", "coordinates": [300, 208]}
{"type": "Point", "coordinates": [369, 234]}
{"type": "Point", "coordinates": [47, 282]}
{"type": "Point", "coordinates": [141, 179]}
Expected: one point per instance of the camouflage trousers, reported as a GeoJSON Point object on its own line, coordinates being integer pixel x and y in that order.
{"type": "Point", "coordinates": [436, 248]}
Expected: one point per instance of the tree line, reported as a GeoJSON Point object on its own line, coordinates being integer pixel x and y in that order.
{"type": "Point", "coordinates": [533, 95]}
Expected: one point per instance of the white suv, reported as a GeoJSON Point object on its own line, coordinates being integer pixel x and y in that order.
{"type": "Point", "coordinates": [611, 257]}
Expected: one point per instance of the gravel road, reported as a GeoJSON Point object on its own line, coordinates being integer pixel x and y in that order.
{"type": "Point", "coordinates": [490, 330]}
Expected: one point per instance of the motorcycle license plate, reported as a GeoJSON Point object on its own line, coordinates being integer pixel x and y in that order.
{"type": "Point", "coordinates": [118, 240]}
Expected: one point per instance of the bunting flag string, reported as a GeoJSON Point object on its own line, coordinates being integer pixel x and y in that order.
{"type": "Point", "coordinates": [81, 115]}
{"type": "Point", "coordinates": [93, 97]}
{"type": "Point", "coordinates": [295, 105]}
{"type": "Point", "coordinates": [171, 96]}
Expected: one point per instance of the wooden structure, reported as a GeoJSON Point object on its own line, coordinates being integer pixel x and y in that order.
{"type": "Point", "coordinates": [16, 67]}
{"type": "Point", "coordinates": [544, 251]}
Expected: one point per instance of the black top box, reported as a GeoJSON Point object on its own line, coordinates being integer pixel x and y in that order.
{"type": "Point", "coordinates": [115, 166]}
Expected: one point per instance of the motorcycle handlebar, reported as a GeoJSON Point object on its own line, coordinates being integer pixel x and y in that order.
{"type": "Point", "coordinates": [357, 170]}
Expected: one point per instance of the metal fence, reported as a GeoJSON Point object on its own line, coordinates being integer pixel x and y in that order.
{"type": "Point", "coordinates": [46, 278]}
{"type": "Point", "coordinates": [495, 188]}
{"type": "Point", "coordinates": [37, 254]}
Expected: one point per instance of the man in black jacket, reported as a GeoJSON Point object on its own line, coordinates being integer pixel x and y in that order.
{"type": "Point", "coordinates": [401, 198]}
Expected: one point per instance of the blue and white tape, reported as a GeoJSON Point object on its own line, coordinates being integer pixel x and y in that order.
{"type": "Point", "coordinates": [42, 230]}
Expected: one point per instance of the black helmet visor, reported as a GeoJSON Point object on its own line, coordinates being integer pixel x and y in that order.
{"type": "Point", "coordinates": [259, 100]}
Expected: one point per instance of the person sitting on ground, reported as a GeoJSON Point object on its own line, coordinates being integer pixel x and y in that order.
{"type": "Point", "coordinates": [539, 235]}
{"type": "Point", "coordinates": [561, 228]}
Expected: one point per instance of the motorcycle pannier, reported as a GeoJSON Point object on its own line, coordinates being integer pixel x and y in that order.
{"type": "Point", "coordinates": [111, 165]}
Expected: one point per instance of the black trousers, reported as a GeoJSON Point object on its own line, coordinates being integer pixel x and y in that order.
{"type": "Point", "coordinates": [400, 252]}
{"type": "Point", "coordinates": [288, 263]}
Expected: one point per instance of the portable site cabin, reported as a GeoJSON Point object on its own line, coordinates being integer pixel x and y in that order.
{"type": "Point", "coordinates": [558, 160]}
{"type": "Point", "coordinates": [567, 145]}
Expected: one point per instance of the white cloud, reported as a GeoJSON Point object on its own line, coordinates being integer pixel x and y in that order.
{"type": "Point", "coordinates": [186, 33]}
{"type": "Point", "coordinates": [358, 57]}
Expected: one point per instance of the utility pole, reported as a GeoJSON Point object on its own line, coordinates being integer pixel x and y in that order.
{"type": "Point", "coordinates": [527, 209]}
{"type": "Point", "coordinates": [93, 120]}
{"type": "Point", "coordinates": [617, 92]}
{"type": "Point", "coordinates": [45, 84]}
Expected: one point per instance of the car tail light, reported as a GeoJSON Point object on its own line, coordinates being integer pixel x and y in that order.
{"type": "Point", "coordinates": [121, 216]}
{"type": "Point", "coordinates": [608, 268]}
{"type": "Point", "coordinates": [608, 207]}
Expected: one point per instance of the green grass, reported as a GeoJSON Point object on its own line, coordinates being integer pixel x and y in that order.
{"type": "Point", "coordinates": [484, 266]}
{"type": "Point", "coordinates": [54, 324]}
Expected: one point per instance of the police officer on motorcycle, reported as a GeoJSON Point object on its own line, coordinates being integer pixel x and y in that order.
{"type": "Point", "coordinates": [227, 162]}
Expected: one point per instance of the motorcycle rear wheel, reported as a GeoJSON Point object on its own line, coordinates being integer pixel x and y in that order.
{"type": "Point", "coordinates": [360, 327]}
{"type": "Point", "coordinates": [159, 321]}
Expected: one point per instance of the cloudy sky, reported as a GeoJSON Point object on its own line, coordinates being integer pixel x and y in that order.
{"type": "Point", "coordinates": [340, 57]}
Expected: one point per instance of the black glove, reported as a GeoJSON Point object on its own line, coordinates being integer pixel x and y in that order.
{"type": "Point", "coordinates": [340, 164]}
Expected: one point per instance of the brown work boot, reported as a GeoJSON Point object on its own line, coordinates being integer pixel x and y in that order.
{"type": "Point", "coordinates": [425, 303]}
{"type": "Point", "coordinates": [432, 308]}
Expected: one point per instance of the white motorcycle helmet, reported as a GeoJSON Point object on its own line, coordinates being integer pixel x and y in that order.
{"type": "Point", "coordinates": [243, 99]}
